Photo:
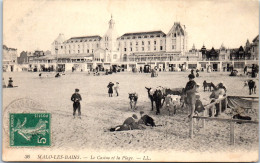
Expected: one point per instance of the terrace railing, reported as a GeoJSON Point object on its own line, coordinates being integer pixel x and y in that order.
{"type": "Point", "coordinates": [230, 121]}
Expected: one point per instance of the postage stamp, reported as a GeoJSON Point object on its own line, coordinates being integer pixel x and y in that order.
{"type": "Point", "coordinates": [30, 129]}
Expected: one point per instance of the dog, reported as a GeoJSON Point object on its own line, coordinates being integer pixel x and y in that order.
{"type": "Point", "coordinates": [133, 97]}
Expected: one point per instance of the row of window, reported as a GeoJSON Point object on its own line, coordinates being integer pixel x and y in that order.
{"type": "Point", "coordinates": [143, 43]}
{"type": "Point", "coordinates": [88, 51]}
{"type": "Point", "coordinates": [97, 45]}
{"type": "Point", "coordinates": [90, 40]}
{"type": "Point", "coordinates": [142, 48]}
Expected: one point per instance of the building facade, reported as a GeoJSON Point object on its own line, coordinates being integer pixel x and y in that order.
{"type": "Point", "coordinates": [166, 51]}
{"type": "Point", "coordinates": [113, 50]}
{"type": "Point", "coordinates": [9, 59]}
{"type": "Point", "coordinates": [255, 48]}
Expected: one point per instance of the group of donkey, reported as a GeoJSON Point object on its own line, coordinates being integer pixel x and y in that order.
{"type": "Point", "coordinates": [159, 94]}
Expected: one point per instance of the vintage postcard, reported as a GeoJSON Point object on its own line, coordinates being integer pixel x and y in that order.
{"type": "Point", "coordinates": [138, 81]}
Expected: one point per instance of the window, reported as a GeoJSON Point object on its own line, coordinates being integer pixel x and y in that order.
{"type": "Point", "coordinates": [151, 36]}
{"type": "Point", "coordinates": [97, 45]}
{"type": "Point", "coordinates": [139, 37]}
{"type": "Point", "coordinates": [114, 56]}
{"type": "Point", "coordinates": [78, 51]}
{"type": "Point", "coordinates": [142, 48]}
{"type": "Point", "coordinates": [61, 47]}
{"type": "Point", "coordinates": [174, 34]}
{"type": "Point", "coordinates": [80, 40]}
{"type": "Point", "coordinates": [125, 58]}
{"type": "Point", "coordinates": [130, 43]}
{"type": "Point", "coordinates": [161, 48]}
{"type": "Point", "coordinates": [173, 47]}
{"type": "Point", "coordinates": [69, 51]}
{"type": "Point", "coordinates": [149, 42]}
{"type": "Point", "coordinates": [142, 42]}
{"type": "Point", "coordinates": [136, 43]}
{"type": "Point", "coordinates": [154, 42]}
{"type": "Point", "coordinates": [87, 50]}
{"type": "Point", "coordinates": [78, 46]}
{"type": "Point", "coordinates": [131, 49]}
{"type": "Point", "coordinates": [145, 36]}
{"type": "Point", "coordinates": [125, 49]}
{"type": "Point", "coordinates": [92, 50]}
{"type": "Point", "coordinates": [154, 48]}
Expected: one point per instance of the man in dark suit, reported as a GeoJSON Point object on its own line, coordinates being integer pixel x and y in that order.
{"type": "Point", "coordinates": [76, 98]}
{"type": "Point", "coordinates": [130, 122]}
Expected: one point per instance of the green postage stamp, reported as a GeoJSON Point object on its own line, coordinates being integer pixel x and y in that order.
{"type": "Point", "coordinates": [30, 129]}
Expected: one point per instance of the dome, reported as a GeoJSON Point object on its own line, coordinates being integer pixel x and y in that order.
{"type": "Point", "coordinates": [60, 39]}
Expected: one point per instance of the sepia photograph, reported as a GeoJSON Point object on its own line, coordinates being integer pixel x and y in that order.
{"type": "Point", "coordinates": [130, 81]}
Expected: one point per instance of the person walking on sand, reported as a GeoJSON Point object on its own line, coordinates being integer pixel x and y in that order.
{"type": "Point", "coordinates": [76, 98]}
{"type": "Point", "coordinates": [110, 89]}
{"type": "Point", "coordinates": [116, 88]}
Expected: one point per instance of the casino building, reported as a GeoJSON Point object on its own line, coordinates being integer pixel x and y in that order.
{"type": "Point", "coordinates": [167, 51]}
{"type": "Point", "coordinates": [154, 48]}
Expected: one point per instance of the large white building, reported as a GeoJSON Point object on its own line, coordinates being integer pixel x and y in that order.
{"type": "Point", "coordinates": [122, 50]}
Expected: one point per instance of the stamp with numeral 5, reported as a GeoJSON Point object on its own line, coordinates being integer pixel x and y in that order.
{"type": "Point", "coordinates": [30, 129]}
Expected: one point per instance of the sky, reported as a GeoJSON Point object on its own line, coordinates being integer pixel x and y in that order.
{"type": "Point", "coordinates": [34, 24]}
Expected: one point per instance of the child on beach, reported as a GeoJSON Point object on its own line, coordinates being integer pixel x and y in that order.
{"type": "Point", "coordinates": [116, 88]}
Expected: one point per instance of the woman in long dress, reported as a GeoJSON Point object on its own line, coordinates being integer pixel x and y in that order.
{"type": "Point", "coordinates": [110, 89]}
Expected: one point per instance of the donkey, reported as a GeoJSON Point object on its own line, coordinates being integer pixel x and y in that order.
{"type": "Point", "coordinates": [156, 96]}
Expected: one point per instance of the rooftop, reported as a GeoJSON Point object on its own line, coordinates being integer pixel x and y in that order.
{"type": "Point", "coordinates": [85, 37]}
{"type": "Point", "coordinates": [144, 33]}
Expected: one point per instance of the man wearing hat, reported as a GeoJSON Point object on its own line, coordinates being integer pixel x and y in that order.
{"type": "Point", "coordinates": [190, 90]}
{"type": "Point", "coordinates": [130, 122]}
{"type": "Point", "coordinates": [76, 98]}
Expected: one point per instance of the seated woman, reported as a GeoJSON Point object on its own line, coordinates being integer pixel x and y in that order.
{"type": "Point", "coordinates": [217, 93]}
{"type": "Point", "coordinates": [10, 83]}
{"type": "Point", "coordinates": [57, 75]}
